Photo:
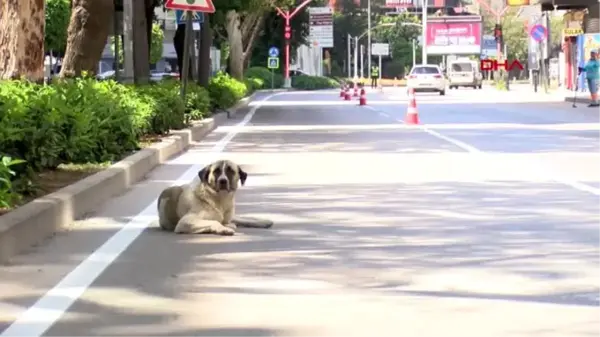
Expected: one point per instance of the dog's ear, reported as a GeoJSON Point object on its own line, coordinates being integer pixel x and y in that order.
{"type": "Point", "coordinates": [204, 173]}
{"type": "Point", "coordinates": [243, 175]}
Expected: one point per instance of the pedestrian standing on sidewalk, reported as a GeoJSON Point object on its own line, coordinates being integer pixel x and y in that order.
{"type": "Point", "coordinates": [592, 75]}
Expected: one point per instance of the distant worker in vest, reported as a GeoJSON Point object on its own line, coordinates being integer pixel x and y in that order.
{"type": "Point", "coordinates": [592, 75]}
{"type": "Point", "coordinates": [374, 76]}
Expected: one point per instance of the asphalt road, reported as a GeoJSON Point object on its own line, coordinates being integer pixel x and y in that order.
{"type": "Point", "coordinates": [483, 221]}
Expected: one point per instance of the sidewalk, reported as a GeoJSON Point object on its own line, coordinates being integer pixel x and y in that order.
{"type": "Point", "coordinates": [582, 97]}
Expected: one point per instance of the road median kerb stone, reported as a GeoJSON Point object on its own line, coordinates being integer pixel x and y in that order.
{"type": "Point", "coordinates": [32, 223]}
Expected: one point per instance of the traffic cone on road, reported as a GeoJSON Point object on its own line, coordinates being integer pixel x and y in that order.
{"type": "Point", "coordinates": [342, 87]}
{"type": "Point", "coordinates": [347, 96]}
{"type": "Point", "coordinates": [363, 97]}
{"type": "Point", "coordinates": [355, 90]}
{"type": "Point", "coordinates": [412, 114]}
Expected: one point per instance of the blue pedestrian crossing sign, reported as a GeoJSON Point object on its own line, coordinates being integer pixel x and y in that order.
{"type": "Point", "coordinates": [273, 63]}
{"type": "Point", "coordinates": [273, 52]}
{"type": "Point", "coordinates": [197, 18]}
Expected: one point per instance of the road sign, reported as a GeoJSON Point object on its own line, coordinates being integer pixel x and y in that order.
{"type": "Point", "coordinates": [538, 32]}
{"type": "Point", "coordinates": [321, 26]}
{"type": "Point", "coordinates": [273, 63]}
{"type": "Point", "coordinates": [381, 49]}
{"type": "Point", "coordinates": [273, 52]}
{"type": "Point", "coordinates": [205, 6]}
{"type": "Point", "coordinates": [197, 19]}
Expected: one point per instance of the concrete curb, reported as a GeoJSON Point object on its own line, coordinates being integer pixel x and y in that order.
{"type": "Point", "coordinates": [32, 223]}
{"type": "Point", "coordinates": [582, 100]}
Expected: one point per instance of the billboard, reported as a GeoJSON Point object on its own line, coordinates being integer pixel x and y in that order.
{"type": "Point", "coordinates": [460, 38]}
{"type": "Point", "coordinates": [414, 3]}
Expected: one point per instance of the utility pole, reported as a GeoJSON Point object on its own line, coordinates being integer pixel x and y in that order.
{"type": "Point", "coordinates": [349, 57]}
{"type": "Point", "coordinates": [369, 37]}
{"type": "Point", "coordinates": [424, 32]}
{"type": "Point", "coordinates": [356, 58]}
{"type": "Point", "coordinates": [362, 61]}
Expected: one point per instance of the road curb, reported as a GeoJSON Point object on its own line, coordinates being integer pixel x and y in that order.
{"type": "Point", "coordinates": [582, 100]}
{"type": "Point", "coordinates": [32, 223]}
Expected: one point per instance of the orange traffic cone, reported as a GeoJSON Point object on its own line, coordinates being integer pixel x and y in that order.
{"type": "Point", "coordinates": [355, 90]}
{"type": "Point", "coordinates": [363, 97]}
{"type": "Point", "coordinates": [342, 91]}
{"type": "Point", "coordinates": [347, 96]}
{"type": "Point", "coordinates": [412, 115]}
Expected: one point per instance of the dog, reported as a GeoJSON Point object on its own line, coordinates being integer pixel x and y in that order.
{"type": "Point", "coordinates": [206, 207]}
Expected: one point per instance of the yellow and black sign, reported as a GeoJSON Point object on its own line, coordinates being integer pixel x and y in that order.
{"type": "Point", "coordinates": [518, 2]}
{"type": "Point", "coordinates": [572, 31]}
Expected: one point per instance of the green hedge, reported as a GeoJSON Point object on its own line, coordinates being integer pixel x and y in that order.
{"type": "Point", "coordinates": [306, 82]}
{"type": "Point", "coordinates": [265, 75]}
{"type": "Point", "coordinates": [88, 121]}
{"type": "Point", "coordinates": [225, 91]}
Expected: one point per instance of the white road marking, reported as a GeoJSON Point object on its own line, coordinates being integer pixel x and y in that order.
{"type": "Point", "coordinates": [553, 176]}
{"type": "Point", "coordinates": [49, 308]}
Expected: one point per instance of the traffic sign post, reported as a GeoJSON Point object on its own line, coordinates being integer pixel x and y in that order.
{"type": "Point", "coordinates": [189, 6]}
{"type": "Point", "coordinates": [272, 64]}
{"type": "Point", "coordinates": [197, 19]}
{"type": "Point", "coordinates": [538, 33]}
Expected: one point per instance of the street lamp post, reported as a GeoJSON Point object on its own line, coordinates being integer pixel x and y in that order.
{"type": "Point", "coordinates": [424, 32]}
{"type": "Point", "coordinates": [349, 56]}
{"type": "Point", "coordinates": [356, 58]}
{"type": "Point", "coordinates": [369, 36]}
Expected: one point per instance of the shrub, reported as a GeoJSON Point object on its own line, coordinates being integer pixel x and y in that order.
{"type": "Point", "coordinates": [253, 84]}
{"type": "Point", "coordinates": [88, 121]}
{"type": "Point", "coordinates": [265, 75]}
{"type": "Point", "coordinates": [167, 107]}
{"type": "Point", "coordinates": [306, 82]}
{"type": "Point", "coordinates": [197, 99]}
{"type": "Point", "coordinates": [79, 120]}
{"type": "Point", "coordinates": [225, 91]}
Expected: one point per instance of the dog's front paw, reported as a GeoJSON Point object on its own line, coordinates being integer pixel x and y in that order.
{"type": "Point", "coordinates": [224, 231]}
{"type": "Point", "coordinates": [231, 225]}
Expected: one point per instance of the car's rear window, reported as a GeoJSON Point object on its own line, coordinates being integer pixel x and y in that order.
{"type": "Point", "coordinates": [462, 67]}
{"type": "Point", "coordinates": [425, 70]}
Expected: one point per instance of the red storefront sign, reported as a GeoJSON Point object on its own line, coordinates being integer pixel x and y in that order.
{"type": "Point", "coordinates": [463, 38]}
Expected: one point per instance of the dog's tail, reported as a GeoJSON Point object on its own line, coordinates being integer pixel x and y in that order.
{"type": "Point", "coordinates": [252, 222]}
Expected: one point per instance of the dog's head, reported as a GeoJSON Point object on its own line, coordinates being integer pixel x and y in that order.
{"type": "Point", "coordinates": [223, 176]}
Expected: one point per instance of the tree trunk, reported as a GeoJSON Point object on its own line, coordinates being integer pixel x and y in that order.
{"type": "Point", "coordinates": [252, 26]}
{"type": "Point", "coordinates": [22, 24]}
{"type": "Point", "coordinates": [204, 62]}
{"type": "Point", "coordinates": [87, 36]}
{"type": "Point", "coordinates": [149, 4]}
{"type": "Point", "coordinates": [236, 51]}
{"type": "Point", "coordinates": [141, 52]}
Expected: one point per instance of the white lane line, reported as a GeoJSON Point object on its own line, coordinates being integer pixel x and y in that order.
{"type": "Point", "coordinates": [50, 308]}
{"type": "Point", "coordinates": [539, 169]}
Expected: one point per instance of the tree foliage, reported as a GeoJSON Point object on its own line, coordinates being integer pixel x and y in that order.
{"type": "Point", "coordinates": [400, 36]}
{"type": "Point", "coordinates": [272, 36]}
{"type": "Point", "coordinates": [58, 13]}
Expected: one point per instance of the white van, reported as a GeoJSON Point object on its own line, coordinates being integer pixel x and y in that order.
{"type": "Point", "coordinates": [464, 73]}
